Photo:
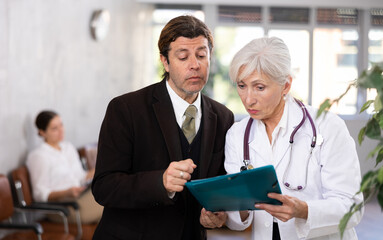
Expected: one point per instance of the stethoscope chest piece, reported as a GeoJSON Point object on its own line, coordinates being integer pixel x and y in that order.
{"type": "Point", "coordinates": [246, 165]}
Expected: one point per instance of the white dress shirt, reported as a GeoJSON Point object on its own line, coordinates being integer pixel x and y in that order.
{"type": "Point", "coordinates": [54, 170]}
{"type": "Point", "coordinates": [333, 174]}
{"type": "Point", "coordinates": [180, 105]}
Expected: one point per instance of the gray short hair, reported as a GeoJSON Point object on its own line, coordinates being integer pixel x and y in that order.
{"type": "Point", "coordinates": [268, 56]}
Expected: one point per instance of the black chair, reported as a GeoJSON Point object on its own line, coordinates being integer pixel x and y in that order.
{"type": "Point", "coordinates": [23, 230]}
{"type": "Point", "coordinates": [23, 194]}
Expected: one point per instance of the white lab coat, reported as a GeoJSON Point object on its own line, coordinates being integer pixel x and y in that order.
{"type": "Point", "coordinates": [332, 181]}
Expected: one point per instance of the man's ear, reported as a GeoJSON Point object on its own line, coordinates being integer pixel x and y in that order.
{"type": "Point", "coordinates": [165, 63]}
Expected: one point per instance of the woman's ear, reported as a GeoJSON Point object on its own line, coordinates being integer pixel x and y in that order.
{"type": "Point", "coordinates": [287, 86]}
{"type": "Point", "coordinates": [41, 133]}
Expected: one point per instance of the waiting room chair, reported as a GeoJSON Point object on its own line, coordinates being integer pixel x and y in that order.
{"type": "Point", "coordinates": [23, 194]}
{"type": "Point", "coordinates": [23, 230]}
{"type": "Point", "coordinates": [88, 155]}
{"type": "Point", "coordinates": [21, 185]}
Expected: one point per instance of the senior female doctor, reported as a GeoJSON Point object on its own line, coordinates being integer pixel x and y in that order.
{"type": "Point", "coordinates": [318, 176]}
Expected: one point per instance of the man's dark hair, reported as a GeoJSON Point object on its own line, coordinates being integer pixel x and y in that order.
{"type": "Point", "coordinates": [182, 26]}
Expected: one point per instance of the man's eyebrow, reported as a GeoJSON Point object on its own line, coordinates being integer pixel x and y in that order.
{"type": "Point", "coordinates": [202, 48]}
{"type": "Point", "coordinates": [186, 50]}
{"type": "Point", "coordinates": [181, 50]}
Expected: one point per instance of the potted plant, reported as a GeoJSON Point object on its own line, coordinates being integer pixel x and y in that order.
{"type": "Point", "coordinates": [372, 181]}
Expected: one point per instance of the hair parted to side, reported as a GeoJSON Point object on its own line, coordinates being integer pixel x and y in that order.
{"type": "Point", "coordinates": [268, 55]}
{"type": "Point", "coordinates": [43, 119]}
{"type": "Point", "coordinates": [182, 26]}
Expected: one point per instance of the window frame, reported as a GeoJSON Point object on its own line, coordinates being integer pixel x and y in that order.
{"type": "Point", "coordinates": [362, 27]}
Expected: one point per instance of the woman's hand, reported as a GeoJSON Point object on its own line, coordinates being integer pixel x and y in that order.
{"type": "Point", "coordinates": [291, 207]}
{"type": "Point", "coordinates": [70, 193]}
{"type": "Point", "coordinates": [74, 192]}
{"type": "Point", "coordinates": [212, 220]}
{"type": "Point", "coordinates": [90, 174]}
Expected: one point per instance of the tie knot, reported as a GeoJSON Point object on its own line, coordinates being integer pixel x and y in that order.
{"type": "Point", "coordinates": [191, 111]}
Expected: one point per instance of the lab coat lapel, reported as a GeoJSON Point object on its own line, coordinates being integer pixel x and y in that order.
{"type": "Point", "coordinates": [209, 126]}
{"type": "Point", "coordinates": [164, 112]}
{"type": "Point", "coordinates": [259, 146]}
{"type": "Point", "coordinates": [294, 116]}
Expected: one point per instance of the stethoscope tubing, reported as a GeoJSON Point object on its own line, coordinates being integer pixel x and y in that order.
{"type": "Point", "coordinates": [246, 152]}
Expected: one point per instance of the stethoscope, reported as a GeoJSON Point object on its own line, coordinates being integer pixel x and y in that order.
{"type": "Point", "coordinates": [246, 155]}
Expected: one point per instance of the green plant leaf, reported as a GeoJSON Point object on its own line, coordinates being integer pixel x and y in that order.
{"type": "Point", "coordinates": [380, 175]}
{"type": "Point", "coordinates": [380, 196]}
{"type": "Point", "coordinates": [373, 129]}
{"type": "Point", "coordinates": [379, 157]}
{"type": "Point", "coordinates": [379, 64]}
{"type": "Point", "coordinates": [373, 152]}
{"type": "Point", "coordinates": [343, 222]}
{"type": "Point", "coordinates": [361, 135]}
{"type": "Point", "coordinates": [366, 105]}
{"type": "Point", "coordinates": [378, 103]}
{"type": "Point", "coordinates": [325, 106]}
{"type": "Point", "coordinates": [372, 78]}
{"type": "Point", "coordinates": [368, 184]}
{"type": "Point", "coordinates": [380, 119]}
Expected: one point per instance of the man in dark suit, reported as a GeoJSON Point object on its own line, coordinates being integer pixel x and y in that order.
{"type": "Point", "coordinates": [149, 147]}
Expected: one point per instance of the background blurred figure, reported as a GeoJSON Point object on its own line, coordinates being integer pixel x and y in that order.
{"type": "Point", "coordinates": [315, 159]}
{"type": "Point", "coordinates": [56, 172]}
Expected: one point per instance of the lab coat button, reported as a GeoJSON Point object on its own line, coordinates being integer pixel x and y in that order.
{"type": "Point", "coordinates": [267, 224]}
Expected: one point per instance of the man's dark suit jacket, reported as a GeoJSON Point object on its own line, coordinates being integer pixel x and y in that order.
{"type": "Point", "coordinates": [139, 138]}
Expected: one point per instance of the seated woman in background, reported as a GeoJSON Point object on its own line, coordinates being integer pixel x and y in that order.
{"type": "Point", "coordinates": [56, 172]}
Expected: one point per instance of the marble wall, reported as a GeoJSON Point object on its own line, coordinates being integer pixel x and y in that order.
{"type": "Point", "coordinates": [48, 60]}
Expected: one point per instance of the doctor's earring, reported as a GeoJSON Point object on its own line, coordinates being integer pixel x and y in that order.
{"type": "Point", "coordinates": [284, 97]}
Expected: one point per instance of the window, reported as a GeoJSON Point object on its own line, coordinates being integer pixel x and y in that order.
{"type": "Point", "coordinates": [161, 15]}
{"type": "Point", "coordinates": [335, 67]}
{"type": "Point", "coordinates": [324, 43]}
{"type": "Point", "coordinates": [377, 17]}
{"type": "Point", "coordinates": [298, 43]}
{"type": "Point", "coordinates": [289, 15]}
{"type": "Point", "coordinates": [228, 41]}
{"type": "Point", "coordinates": [233, 14]}
{"type": "Point", "coordinates": [375, 53]}
{"type": "Point", "coordinates": [337, 16]}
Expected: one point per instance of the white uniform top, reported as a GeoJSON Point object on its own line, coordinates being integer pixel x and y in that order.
{"type": "Point", "coordinates": [333, 173]}
{"type": "Point", "coordinates": [54, 170]}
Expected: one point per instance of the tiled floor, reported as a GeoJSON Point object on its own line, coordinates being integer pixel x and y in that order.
{"type": "Point", "coordinates": [370, 228]}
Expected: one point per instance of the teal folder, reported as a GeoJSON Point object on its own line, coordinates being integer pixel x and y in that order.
{"type": "Point", "coordinates": [238, 191]}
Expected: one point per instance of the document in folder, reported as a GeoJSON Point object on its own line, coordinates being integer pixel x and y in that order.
{"type": "Point", "coordinates": [238, 191]}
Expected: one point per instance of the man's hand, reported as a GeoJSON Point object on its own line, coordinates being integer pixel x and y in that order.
{"type": "Point", "coordinates": [177, 174]}
{"type": "Point", "coordinates": [212, 220]}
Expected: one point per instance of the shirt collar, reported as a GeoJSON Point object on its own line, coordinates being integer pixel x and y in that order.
{"type": "Point", "coordinates": [283, 122]}
{"type": "Point", "coordinates": [180, 105]}
{"type": "Point", "coordinates": [281, 128]}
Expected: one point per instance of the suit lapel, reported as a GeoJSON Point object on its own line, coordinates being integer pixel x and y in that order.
{"type": "Point", "coordinates": [209, 123]}
{"type": "Point", "coordinates": [164, 112]}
